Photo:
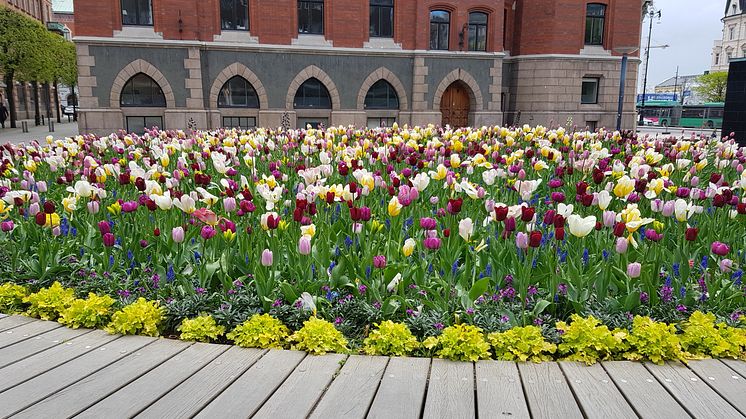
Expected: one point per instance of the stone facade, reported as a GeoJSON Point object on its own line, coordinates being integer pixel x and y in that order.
{"type": "Point", "coordinates": [733, 43]}
{"type": "Point", "coordinates": [522, 77]}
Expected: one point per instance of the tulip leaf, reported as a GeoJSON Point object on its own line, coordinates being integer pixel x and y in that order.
{"type": "Point", "coordinates": [478, 288]}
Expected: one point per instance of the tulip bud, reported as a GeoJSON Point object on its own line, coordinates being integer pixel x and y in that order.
{"type": "Point", "coordinates": [621, 245]}
{"type": "Point", "coordinates": [93, 207]}
{"type": "Point", "coordinates": [109, 239]}
{"type": "Point", "coordinates": [304, 245]}
{"type": "Point", "coordinates": [267, 257]}
{"type": "Point", "coordinates": [534, 239]}
{"type": "Point", "coordinates": [49, 207]}
{"type": "Point", "coordinates": [634, 269]}
{"type": "Point", "coordinates": [177, 234]}
{"type": "Point", "coordinates": [619, 229]}
{"type": "Point", "coordinates": [521, 240]}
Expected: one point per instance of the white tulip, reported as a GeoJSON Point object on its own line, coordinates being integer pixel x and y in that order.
{"type": "Point", "coordinates": [579, 226]}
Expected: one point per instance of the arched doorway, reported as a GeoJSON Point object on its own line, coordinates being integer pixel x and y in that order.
{"type": "Point", "coordinates": [455, 105]}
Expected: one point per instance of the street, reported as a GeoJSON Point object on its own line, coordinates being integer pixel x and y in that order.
{"type": "Point", "coordinates": [17, 136]}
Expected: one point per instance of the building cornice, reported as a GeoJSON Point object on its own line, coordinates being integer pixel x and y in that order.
{"type": "Point", "coordinates": [582, 57]}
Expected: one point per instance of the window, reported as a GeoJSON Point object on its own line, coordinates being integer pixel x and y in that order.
{"type": "Point", "coordinates": [477, 31]}
{"type": "Point", "coordinates": [382, 18]}
{"type": "Point", "coordinates": [234, 15]}
{"type": "Point", "coordinates": [137, 12]}
{"type": "Point", "coordinates": [592, 125]}
{"type": "Point", "coordinates": [440, 26]}
{"type": "Point", "coordinates": [595, 16]}
{"type": "Point", "coordinates": [729, 55]}
{"type": "Point", "coordinates": [732, 30]}
{"type": "Point", "coordinates": [382, 96]}
{"type": "Point", "coordinates": [698, 113]}
{"type": "Point", "coordinates": [21, 97]}
{"type": "Point", "coordinates": [238, 93]}
{"type": "Point", "coordinates": [315, 123]}
{"type": "Point", "coordinates": [138, 124]}
{"type": "Point", "coordinates": [382, 122]}
{"type": "Point", "coordinates": [311, 17]}
{"type": "Point", "coordinates": [242, 122]}
{"type": "Point", "coordinates": [589, 91]}
{"type": "Point", "coordinates": [312, 95]}
{"type": "Point", "coordinates": [141, 90]}
{"type": "Point", "coordinates": [716, 113]}
{"type": "Point", "coordinates": [717, 59]}
{"type": "Point", "coordinates": [72, 100]}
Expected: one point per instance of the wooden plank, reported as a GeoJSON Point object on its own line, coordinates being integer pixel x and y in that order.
{"type": "Point", "coordinates": [24, 395]}
{"type": "Point", "coordinates": [352, 391]}
{"type": "Point", "coordinates": [697, 397]}
{"type": "Point", "coordinates": [38, 344]}
{"type": "Point", "coordinates": [645, 394]}
{"type": "Point", "coordinates": [32, 366]}
{"type": "Point", "coordinates": [728, 384]}
{"type": "Point", "coordinates": [451, 390]}
{"type": "Point", "coordinates": [198, 390]}
{"type": "Point", "coordinates": [127, 386]}
{"type": "Point", "coordinates": [547, 391]}
{"type": "Point", "coordinates": [499, 391]}
{"type": "Point", "coordinates": [249, 392]}
{"type": "Point", "coordinates": [139, 394]}
{"type": "Point", "coordinates": [25, 331]}
{"type": "Point", "coordinates": [595, 391]}
{"type": "Point", "coordinates": [402, 390]}
{"type": "Point", "coordinates": [737, 366]}
{"type": "Point", "coordinates": [297, 396]}
{"type": "Point", "coordinates": [14, 321]}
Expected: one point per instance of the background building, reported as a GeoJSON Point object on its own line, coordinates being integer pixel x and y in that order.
{"type": "Point", "coordinates": [733, 43]}
{"type": "Point", "coordinates": [365, 62]}
{"type": "Point", "coordinates": [683, 87]}
{"type": "Point", "coordinates": [62, 13]}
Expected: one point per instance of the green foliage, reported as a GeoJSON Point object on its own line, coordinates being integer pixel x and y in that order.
{"type": "Point", "coordinates": [139, 318]}
{"type": "Point", "coordinates": [703, 338]}
{"type": "Point", "coordinates": [318, 337]}
{"type": "Point", "coordinates": [462, 342]}
{"type": "Point", "coordinates": [92, 312]}
{"type": "Point", "coordinates": [201, 329]}
{"type": "Point", "coordinates": [11, 298]}
{"type": "Point", "coordinates": [522, 344]}
{"type": "Point", "coordinates": [586, 340]}
{"type": "Point", "coordinates": [49, 303]}
{"type": "Point", "coordinates": [653, 341]}
{"type": "Point", "coordinates": [260, 331]}
{"type": "Point", "coordinates": [712, 86]}
{"type": "Point", "coordinates": [390, 339]}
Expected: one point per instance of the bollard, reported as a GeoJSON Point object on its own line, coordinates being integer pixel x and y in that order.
{"type": "Point", "coordinates": [24, 126]}
{"type": "Point", "coordinates": [51, 126]}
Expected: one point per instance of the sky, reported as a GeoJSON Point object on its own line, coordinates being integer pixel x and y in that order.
{"type": "Point", "coordinates": [690, 27]}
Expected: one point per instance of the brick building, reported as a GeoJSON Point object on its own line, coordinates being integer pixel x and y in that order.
{"type": "Point", "coordinates": [175, 63]}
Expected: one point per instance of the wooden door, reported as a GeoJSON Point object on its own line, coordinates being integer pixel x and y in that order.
{"type": "Point", "coordinates": [455, 106]}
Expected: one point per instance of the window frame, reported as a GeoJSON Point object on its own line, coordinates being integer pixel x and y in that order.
{"type": "Point", "coordinates": [591, 25]}
{"type": "Point", "coordinates": [138, 13]}
{"type": "Point", "coordinates": [236, 7]}
{"type": "Point", "coordinates": [307, 12]}
{"type": "Point", "coordinates": [145, 124]}
{"type": "Point", "coordinates": [380, 6]}
{"type": "Point", "coordinates": [597, 82]}
{"type": "Point", "coordinates": [141, 105]}
{"type": "Point", "coordinates": [249, 90]}
{"type": "Point", "coordinates": [302, 89]}
{"type": "Point", "coordinates": [476, 27]}
{"type": "Point", "coordinates": [436, 46]}
{"type": "Point", "coordinates": [239, 118]}
{"type": "Point", "coordinates": [391, 95]}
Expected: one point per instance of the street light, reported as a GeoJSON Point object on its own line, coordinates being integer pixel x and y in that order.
{"type": "Point", "coordinates": [625, 51]}
{"type": "Point", "coordinates": [652, 13]}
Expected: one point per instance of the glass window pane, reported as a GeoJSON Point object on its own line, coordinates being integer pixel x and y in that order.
{"type": "Point", "coordinates": [589, 91]}
{"type": "Point", "coordinates": [598, 10]}
{"type": "Point", "coordinates": [382, 96]}
{"type": "Point", "coordinates": [238, 92]}
{"type": "Point", "coordinates": [375, 29]}
{"type": "Point", "coordinates": [478, 17]}
{"type": "Point", "coordinates": [141, 90]}
{"type": "Point", "coordinates": [312, 95]}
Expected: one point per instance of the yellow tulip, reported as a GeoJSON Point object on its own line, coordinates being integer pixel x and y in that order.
{"type": "Point", "coordinates": [624, 187]}
{"type": "Point", "coordinates": [408, 247]}
{"type": "Point", "coordinates": [394, 207]}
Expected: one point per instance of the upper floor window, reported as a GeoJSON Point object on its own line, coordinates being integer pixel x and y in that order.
{"type": "Point", "coordinates": [234, 15]}
{"type": "Point", "coordinates": [440, 26]}
{"type": "Point", "coordinates": [477, 31]}
{"type": "Point", "coordinates": [382, 96]}
{"type": "Point", "coordinates": [595, 17]}
{"type": "Point", "coordinates": [238, 93]}
{"type": "Point", "coordinates": [137, 12]}
{"type": "Point", "coordinates": [732, 32]}
{"type": "Point", "coordinates": [312, 94]}
{"type": "Point", "coordinates": [141, 90]}
{"type": "Point", "coordinates": [311, 17]}
{"type": "Point", "coordinates": [382, 18]}
{"type": "Point", "coordinates": [717, 59]}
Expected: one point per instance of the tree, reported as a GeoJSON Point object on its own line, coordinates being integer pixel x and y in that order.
{"type": "Point", "coordinates": [712, 86]}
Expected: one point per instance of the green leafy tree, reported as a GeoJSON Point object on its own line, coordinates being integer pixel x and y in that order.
{"type": "Point", "coordinates": [712, 86]}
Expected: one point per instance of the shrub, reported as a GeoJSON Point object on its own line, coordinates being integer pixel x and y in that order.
{"type": "Point", "coordinates": [653, 341]}
{"type": "Point", "coordinates": [390, 339]}
{"type": "Point", "coordinates": [260, 331]}
{"type": "Point", "coordinates": [586, 340]}
{"type": "Point", "coordinates": [92, 312]}
{"type": "Point", "coordinates": [48, 303]}
{"type": "Point", "coordinates": [11, 298]}
{"type": "Point", "coordinates": [318, 337]}
{"type": "Point", "coordinates": [522, 344]}
{"type": "Point", "coordinates": [463, 342]}
{"type": "Point", "coordinates": [702, 338]}
{"type": "Point", "coordinates": [139, 318]}
{"type": "Point", "coordinates": [201, 329]}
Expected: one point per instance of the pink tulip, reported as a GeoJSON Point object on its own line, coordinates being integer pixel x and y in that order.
{"type": "Point", "coordinates": [609, 218]}
{"type": "Point", "coordinates": [34, 209]}
{"type": "Point", "coordinates": [668, 208]}
{"type": "Point", "coordinates": [521, 240]}
{"type": "Point", "coordinates": [379, 261]}
{"type": "Point", "coordinates": [428, 223]}
{"type": "Point", "coordinates": [634, 269]}
{"type": "Point", "coordinates": [56, 231]}
{"type": "Point", "coordinates": [129, 206]}
{"type": "Point", "coordinates": [207, 232]}
{"type": "Point", "coordinates": [206, 216]}
{"type": "Point", "coordinates": [720, 249]}
{"type": "Point", "coordinates": [431, 243]}
{"type": "Point", "coordinates": [304, 245]}
{"type": "Point", "coordinates": [621, 245]}
{"type": "Point", "coordinates": [41, 186]}
{"type": "Point", "coordinates": [229, 204]}
{"type": "Point", "coordinates": [7, 226]}
{"type": "Point", "coordinates": [177, 234]}
{"type": "Point", "coordinates": [104, 227]}
{"type": "Point", "coordinates": [726, 265]}
{"type": "Point", "coordinates": [93, 207]}
{"type": "Point", "coordinates": [109, 239]}
{"type": "Point", "coordinates": [267, 257]}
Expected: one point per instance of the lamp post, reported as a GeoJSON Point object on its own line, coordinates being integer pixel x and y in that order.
{"type": "Point", "coordinates": [625, 51]}
{"type": "Point", "coordinates": [652, 13]}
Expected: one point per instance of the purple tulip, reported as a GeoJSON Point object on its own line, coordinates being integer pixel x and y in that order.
{"type": "Point", "coordinates": [207, 232]}
{"type": "Point", "coordinates": [177, 234]}
{"type": "Point", "coordinates": [267, 257]}
{"type": "Point", "coordinates": [521, 240]}
{"type": "Point", "coordinates": [7, 226]}
{"type": "Point", "coordinates": [104, 227]}
{"type": "Point", "coordinates": [609, 218]}
{"type": "Point", "coordinates": [229, 204]}
{"type": "Point", "coordinates": [379, 261]}
{"type": "Point", "coordinates": [428, 223]}
{"type": "Point", "coordinates": [304, 245]}
{"type": "Point", "coordinates": [668, 209]}
{"type": "Point", "coordinates": [726, 265]}
{"type": "Point", "coordinates": [720, 249]}
{"type": "Point", "coordinates": [109, 239]}
{"type": "Point", "coordinates": [431, 243]}
{"type": "Point", "coordinates": [34, 209]}
{"type": "Point", "coordinates": [621, 245]}
{"type": "Point", "coordinates": [130, 206]}
{"type": "Point", "coordinates": [634, 269]}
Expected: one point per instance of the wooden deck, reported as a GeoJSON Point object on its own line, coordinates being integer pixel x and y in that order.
{"type": "Point", "coordinates": [48, 371]}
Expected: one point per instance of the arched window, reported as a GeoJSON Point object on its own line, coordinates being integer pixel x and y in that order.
{"type": "Point", "coordinates": [477, 31]}
{"type": "Point", "coordinates": [141, 90]}
{"type": "Point", "coordinates": [238, 93]}
{"type": "Point", "coordinates": [440, 26]}
{"type": "Point", "coordinates": [595, 18]}
{"type": "Point", "coordinates": [382, 96]}
{"type": "Point", "coordinates": [312, 94]}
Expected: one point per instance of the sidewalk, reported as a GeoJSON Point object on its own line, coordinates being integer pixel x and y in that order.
{"type": "Point", "coordinates": [17, 136]}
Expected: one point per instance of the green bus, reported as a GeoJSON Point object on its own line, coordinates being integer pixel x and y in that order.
{"type": "Point", "coordinates": [661, 113]}
{"type": "Point", "coordinates": [706, 115]}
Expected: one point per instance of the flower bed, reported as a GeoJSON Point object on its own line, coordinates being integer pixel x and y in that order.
{"type": "Point", "coordinates": [462, 244]}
